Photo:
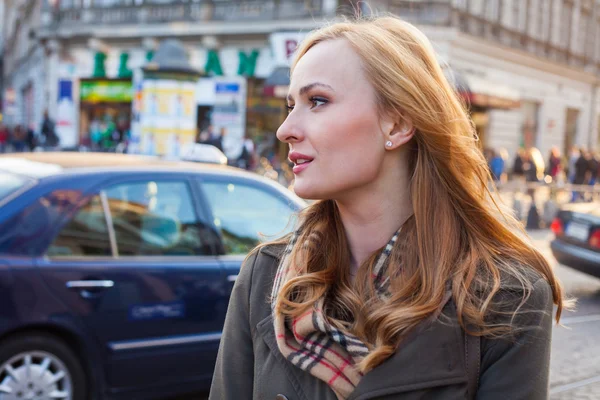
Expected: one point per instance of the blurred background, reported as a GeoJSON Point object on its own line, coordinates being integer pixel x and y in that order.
{"type": "Point", "coordinates": [528, 69]}
{"type": "Point", "coordinates": [206, 81]}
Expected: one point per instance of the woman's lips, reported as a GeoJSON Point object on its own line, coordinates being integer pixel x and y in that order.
{"type": "Point", "coordinates": [301, 167]}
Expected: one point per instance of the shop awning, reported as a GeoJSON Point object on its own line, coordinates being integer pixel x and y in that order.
{"type": "Point", "coordinates": [482, 92]}
{"type": "Point", "coordinates": [279, 77]}
{"type": "Point", "coordinates": [489, 94]}
{"type": "Point", "coordinates": [277, 84]}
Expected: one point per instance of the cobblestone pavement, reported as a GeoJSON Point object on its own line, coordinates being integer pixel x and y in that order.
{"type": "Point", "coordinates": [575, 364]}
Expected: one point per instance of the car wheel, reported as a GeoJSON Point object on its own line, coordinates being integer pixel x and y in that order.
{"type": "Point", "coordinates": [40, 367]}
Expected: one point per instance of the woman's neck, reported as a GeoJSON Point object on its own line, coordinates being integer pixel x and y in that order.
{"type": "Point", "coordinates": [370, 221]}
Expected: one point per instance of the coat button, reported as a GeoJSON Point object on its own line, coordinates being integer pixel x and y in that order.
{"type": "Point", "coordinates": [281, 397]}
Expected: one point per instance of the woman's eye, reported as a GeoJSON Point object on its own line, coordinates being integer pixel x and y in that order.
{"type": "Point", "coordinates": [289, 108]}
{"type": "Point", "coordinates": [317, 101]}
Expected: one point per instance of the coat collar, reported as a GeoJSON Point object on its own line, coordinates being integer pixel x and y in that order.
{"type": "Point", "coordinates": [431, 355]}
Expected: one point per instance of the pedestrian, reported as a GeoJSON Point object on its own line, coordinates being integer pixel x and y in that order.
{"type": "Point", "coordinates": [217, 141]}
{"type": "Point", "coordinates": [403, 280]}
{"type": "Point", "coordinates": [4, 137]}
{"type": "Point", "coordinates": [573, 158]}
{"type": "Point", "coordinates": [19, 137]}
{"type": "Point", "coordinates": [581, 174]}
{"type": "Point", "coordinates": [246, 158]}
{"type": "Point", "coordinates": [554, 164]}
{"type": "Point", "coordinates": [592, 174]}
{"type": "Point", "coordinates": [497, 166]}
{"type": "Point", "coordinates": [518, 171]}
{"type": "Point", "coordinates": [48, 132]}
{"type": "Point", "coordinates": [207, 135]}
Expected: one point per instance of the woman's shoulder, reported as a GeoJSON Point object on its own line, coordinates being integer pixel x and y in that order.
{"type": "Point", "coordinates": [526, 283]}
{"type": "Point", "coordinates": [523, 300]}
{"type": "Point", "coordinates": [261, 263]}
{"type": "Point", "coordinates": [256, 278]}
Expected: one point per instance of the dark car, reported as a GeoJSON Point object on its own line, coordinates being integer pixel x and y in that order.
{"type": "Point", "coordinates": [577, 241]}
{"type": "Point", "coordinates": [116, 270]}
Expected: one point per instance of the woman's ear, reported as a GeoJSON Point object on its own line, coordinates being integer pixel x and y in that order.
{"type": "Point", "coordinates": [401, 132]}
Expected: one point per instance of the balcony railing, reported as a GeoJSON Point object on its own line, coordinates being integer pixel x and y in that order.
{"type": "Point", "coordinates": [445, 13]}
{"type": "Point", "coordinates": [113, 12]}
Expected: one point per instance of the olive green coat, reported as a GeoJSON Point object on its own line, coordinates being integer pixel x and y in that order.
{"type": "Point", "coordinates": [434, 364]}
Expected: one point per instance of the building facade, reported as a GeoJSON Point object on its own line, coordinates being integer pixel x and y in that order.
{"type": "Point", "coordinates": [77, 59]}
{"type": "Point", "coordinates": [531, 66]}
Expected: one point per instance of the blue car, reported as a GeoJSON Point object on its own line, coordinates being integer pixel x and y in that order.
{"type": "Point", "coordinates": [116, 270]}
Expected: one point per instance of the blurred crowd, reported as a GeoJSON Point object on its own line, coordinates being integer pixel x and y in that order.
{"type": "Point", "coordinates": [20, 138]}
{"type": "Point", "coordinates": [580, 167]}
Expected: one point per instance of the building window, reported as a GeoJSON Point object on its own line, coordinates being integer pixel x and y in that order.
{"type": "Point", "coordinates": [530, 111]}
{"type": "Point", "coordinates": [597, 42]}
{"type": "Point", "coordinates": [543, 14]}
{"type": "Point", "coordinates": [28, 106]}
{"type": "Point", "coordinates": [476, 7]}
{"type": "Point", "coordinates": [565, 24]}
{"type": "Point", "coordinates": [460, 4]}
{"type": "Point", "coordinates": [586, 33]}
{"type": "Point", "coordinates": [519, 14]}
{"type": "Point", "coordinates": [491, 10]}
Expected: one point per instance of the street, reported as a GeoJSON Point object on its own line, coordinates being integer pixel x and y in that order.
{"type": "Point", "coordinates": [575, 366]}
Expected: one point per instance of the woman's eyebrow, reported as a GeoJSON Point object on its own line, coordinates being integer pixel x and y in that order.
{"type": "Point", "coordinates": [310, 86]}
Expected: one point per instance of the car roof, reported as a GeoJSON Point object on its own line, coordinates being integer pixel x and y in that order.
{"type": "Point", "coordinates": [43, 164]}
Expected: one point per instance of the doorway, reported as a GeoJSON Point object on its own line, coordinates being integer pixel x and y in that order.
{"type": "Point", "coordinates": [571, 121]}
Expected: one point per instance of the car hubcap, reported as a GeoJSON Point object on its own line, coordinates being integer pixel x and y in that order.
{"type": "Point", "coordinates": [35, 375]}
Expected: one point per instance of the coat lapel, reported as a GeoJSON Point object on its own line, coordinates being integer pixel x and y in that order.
{"type": "Point", "coordinates": [431, 355]}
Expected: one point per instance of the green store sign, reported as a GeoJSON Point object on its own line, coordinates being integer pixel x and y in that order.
{"type": "Point", "coordinates": [106, 91]}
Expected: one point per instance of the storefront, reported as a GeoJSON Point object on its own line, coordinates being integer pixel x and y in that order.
{"type": "Point", "coordinates": [105, 112]}
{"type": "Point", "coordinates": [482, 97]}
{"type": "Point", "coordinates": [265, 113]}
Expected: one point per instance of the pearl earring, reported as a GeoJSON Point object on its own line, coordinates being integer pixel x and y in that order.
{"type": "Point", "coordinates": [388, 143]}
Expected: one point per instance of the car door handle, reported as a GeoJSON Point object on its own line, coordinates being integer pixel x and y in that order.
{"type": "Point", "coordinates": [231, 278]}
{"type": "Point", "coordinates": [100, 284]}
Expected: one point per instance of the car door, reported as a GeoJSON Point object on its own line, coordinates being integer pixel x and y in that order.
{"type": "Point", "coordinates": [247, 212]}
{"type": "Point", "coordinates": [137, 263]}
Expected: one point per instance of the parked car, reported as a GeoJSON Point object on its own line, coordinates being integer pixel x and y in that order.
{"type": "Point", "coordinates": [116, 270]}
{"type": "Point", "coordinates": [577, 237]}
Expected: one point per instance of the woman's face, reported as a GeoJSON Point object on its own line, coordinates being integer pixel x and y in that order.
{"type": "Point", "coordinates": [334, 131]}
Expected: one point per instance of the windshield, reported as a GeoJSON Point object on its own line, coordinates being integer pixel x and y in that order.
{"type": "Point", "coordinates": [10, 183]}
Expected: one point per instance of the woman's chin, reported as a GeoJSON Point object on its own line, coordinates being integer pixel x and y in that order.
{"type": "Point", "coordinates": [305, 191]}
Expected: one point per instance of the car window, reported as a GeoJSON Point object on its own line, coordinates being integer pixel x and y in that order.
{"type": "Point", "coordinates": [10, 183]}
{"type": "Point", "coordinates": [247, 215]}
{"type": "Point", "coordinates": [157, 218]}
{"type": "Point", "coordinates": [86, 234]}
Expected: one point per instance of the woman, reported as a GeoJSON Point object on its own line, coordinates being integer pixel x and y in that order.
{"type": "Point", "coordinates": [404, 281]}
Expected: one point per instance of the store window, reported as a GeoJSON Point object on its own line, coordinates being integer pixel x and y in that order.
{"type": "Point", "coordinates": [565, 23]}
{"type": "Point", "coordinates": [529, 128]}
{"type": "Point", "coordinates": [105, 117]}
{"type": "Point", "coordinates": [264, 115]}
{"type": "Point", "coordinates": [571, 120]}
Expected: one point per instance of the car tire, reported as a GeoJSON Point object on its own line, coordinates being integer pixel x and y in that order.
{"type": "Point", "coordinates": [49, 358]}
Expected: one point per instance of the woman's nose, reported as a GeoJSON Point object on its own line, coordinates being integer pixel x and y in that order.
{"type": "Point", "coordinates": [289, 132]}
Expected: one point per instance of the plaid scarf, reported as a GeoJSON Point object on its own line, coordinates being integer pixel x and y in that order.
{"type": "Point", "coordinates": [311, 343]}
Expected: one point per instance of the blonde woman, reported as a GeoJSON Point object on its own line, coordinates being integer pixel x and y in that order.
{"type": "Point", "coordinates": [405, 280]}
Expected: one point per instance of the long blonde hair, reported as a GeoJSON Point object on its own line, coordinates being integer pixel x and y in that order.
{"type": "Point", "coordinates": [458, 236]}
